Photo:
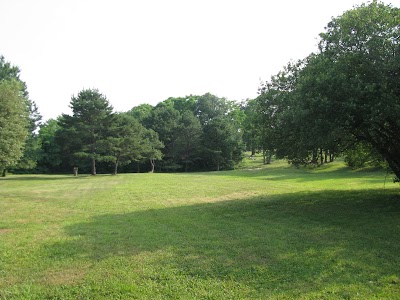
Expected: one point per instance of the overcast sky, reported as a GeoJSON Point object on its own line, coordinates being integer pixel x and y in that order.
{"type": "Point", "coordinates": [138, 52]}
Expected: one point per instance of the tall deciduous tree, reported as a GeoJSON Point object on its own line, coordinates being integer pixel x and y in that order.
{"type": "Point", "coordinates": [347, 94]}
{"type": "Point", "coordinates": [13, 123]}
{"type": "Point", "coordinates": [32, 147]}
{"type": "Point", "coordinates": [209, 107]}
{"type": "Point", "coordinates": [360, 55]}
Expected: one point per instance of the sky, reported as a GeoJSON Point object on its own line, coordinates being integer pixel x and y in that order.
{"type": "Point", "coordinates": [137, 52]}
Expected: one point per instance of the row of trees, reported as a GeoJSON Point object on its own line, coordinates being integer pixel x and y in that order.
{"type": "Point", "coordinates": [182, 134]}
{"type": "Point", "coordinates": [345, 99]}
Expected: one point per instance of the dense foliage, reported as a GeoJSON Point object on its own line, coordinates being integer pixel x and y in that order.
{"type": "Point", "coordinates": [345, 96]}
{"type": "Point", "coordinates": [19, 119]}
{"type": "Point", "coordinates": [182, 134]}
{"type": "Point", "coordinates": [13, 124]}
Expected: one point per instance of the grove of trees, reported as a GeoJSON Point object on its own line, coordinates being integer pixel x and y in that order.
{"type": "Point", "coordinates": [342, 100]}
{"type": "Point", "coordinates": [178, 134]}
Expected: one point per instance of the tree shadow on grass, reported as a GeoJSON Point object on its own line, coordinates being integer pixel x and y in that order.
{"type": "Point", "coordinates": [293, 243]}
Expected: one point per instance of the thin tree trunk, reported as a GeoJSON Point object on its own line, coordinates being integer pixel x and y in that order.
{"type": "Point", "coordinates": [321, 156]}
{"type": "Point", "coordinates": [93, 166]}
{"type": "Point", "coordinates": [315, 156]}
{"type": "Point", "coordinates": [4, 173]}
{"type": "Point", "coordinates": [264, 156]}
{"type": "Point", "coordinates": [115, 168]}
{"type": "Point", "coordinates": [152, 165]}
{"type": "Point", "coordinates": [253, 150]}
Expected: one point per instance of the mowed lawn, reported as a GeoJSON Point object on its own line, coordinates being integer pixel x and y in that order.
{"type": "Point", "coordinates": [271, 232]}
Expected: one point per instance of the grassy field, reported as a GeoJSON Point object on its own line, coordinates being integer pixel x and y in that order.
{"type": "Point", "coordinates": [271, 232]}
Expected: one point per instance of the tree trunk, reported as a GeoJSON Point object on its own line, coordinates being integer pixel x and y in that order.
{"type": "Point", "coordinates": [391, 154]}
{"type": "Point", "coordinates": [217, 165]}
{"type": "Point", "coordinates": [315, 156]}
{"type": "Point", "coordinates": [321, 156]}
{"type": "Point", "coordinates": [93, 166]}
{"type": "Point", "coordinates": [115, 168]}
{"type": "Point", "coordinates": [152, 165]}
{"type": "Point", "coordinates": [264, 157]}
{"type": "Point", "coordinates": [253, 150]}
{"type": "Point", "coordinates": [4, 173]}
{"type": "Point", "coordinates": [326, 156]}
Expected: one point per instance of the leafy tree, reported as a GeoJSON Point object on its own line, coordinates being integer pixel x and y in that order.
{"type": "Point", "coordinates": [126, 142]}
{"type": "Point", "coordinates": [187, 144]}
{"type": "Point", "coordinates": [347, 94]}
{"type": "Point", "coordinates": [292, 118]}
{"type": "Point", "coordinates": [209, 106]}
{"type": "Point", "coordinates": [278, 116]}
{"type": "Point", "coordinates": [32, 147]}
{"type": "Point", "coordinates": [362, 155]}
{"type": "Point", "coordinates": [222, 144]}
{"type": "Point", "coordinates": [51, 156]}
{"type": "Point", "coordinates": [67, 139]}
{"type": "Point", "coordinates": [141, 112]}
{"type": "Point", "coordinates": [250, 126]}
{"type": "Point", "coordinates": [85, 131]}
{"type": "Point", "coordinates": [152, 149]}
{"type": "Point", "coordinates": [13, 123]}
{"type": "Point", "coordinates": [182, 104]}
{"type": "Point", "coordinates": [359, 82]}
{"type": "Point", "coordinates": [165, 121]}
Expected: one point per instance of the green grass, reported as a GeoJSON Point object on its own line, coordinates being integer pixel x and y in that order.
{"type": "Point", "coordinates": [271, 232]}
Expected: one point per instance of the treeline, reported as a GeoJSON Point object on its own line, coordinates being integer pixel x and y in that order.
{"type": "Point", "coordinates": [193, 133]}
{"type": "Point", "coordinates": [179, 134]}
{"type": "Point", "coordinates": [343, 100]}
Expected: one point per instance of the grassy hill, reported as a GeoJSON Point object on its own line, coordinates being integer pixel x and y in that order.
{"type": "Point", "coordinates": [260, 232]}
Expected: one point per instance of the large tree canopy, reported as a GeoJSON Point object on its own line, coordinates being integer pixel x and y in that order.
{"type": "Point", "coordinates": [348, 93]}
{"type": "Point", "coordinates": [360, 58]}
